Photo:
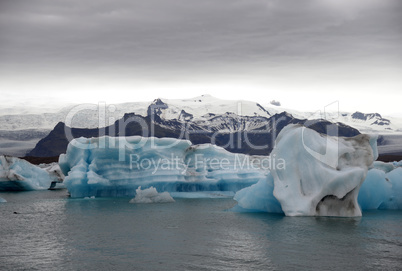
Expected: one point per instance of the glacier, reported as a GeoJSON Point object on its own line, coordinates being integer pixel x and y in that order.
{"type": "Point", "coordinates": [151, 195]}
{"type": "Point", "coordinates": [19, 175]}
{"type": "Point", "coordinates": [117, 166]}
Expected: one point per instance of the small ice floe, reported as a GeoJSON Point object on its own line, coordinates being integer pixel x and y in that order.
{"type": "Point", "coordinates": [151, 195]}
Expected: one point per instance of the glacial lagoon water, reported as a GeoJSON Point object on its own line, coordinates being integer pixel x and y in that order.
{"type": "Point", "coordinates": [47, 230]}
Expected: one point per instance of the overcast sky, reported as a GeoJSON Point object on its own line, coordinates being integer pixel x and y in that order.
{"type": "Point", "coordinates": [304, 53]}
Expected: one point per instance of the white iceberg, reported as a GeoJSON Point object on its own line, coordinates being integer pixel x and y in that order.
{"type": "Point", "coordinates": [321, 177]}
{"type": "Point", "coordinates": [17, 175]}
{"type": "Point", "coordinates": [323, 174]}
{"type": "Point", "coordinates": [151, 195]}
{"type": "Point", "coordinates": [2, 200]}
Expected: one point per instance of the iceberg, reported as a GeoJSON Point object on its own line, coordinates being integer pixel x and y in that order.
{"type": "Point", "coordinates": [2, 200]}
{"type": "Point", "coordinates": [151, 195]}
{"type": "Point", "coordinates": [117, 166]}
{"type": "Point", "coordinates": [323, 174]}
{"type": "Point", "coordinates": [19, 175]}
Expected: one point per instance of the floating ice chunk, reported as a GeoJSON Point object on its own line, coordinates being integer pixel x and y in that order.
{"type": "Point", "coordinates": [151, 195]}
{"type": "Point", "coordinates": [258, 197]}
{"type": "Point", "coordinates": [17, 174]}
{"type": "Point", "coordinates": [2, 200]}
{"type": "Point", "coordinates": [322, 175]}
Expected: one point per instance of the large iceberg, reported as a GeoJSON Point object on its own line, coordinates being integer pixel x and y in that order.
{"type": "Point", "coordinates": [323, 174]}
{"type": "Point", "coordinates": [18, 175]}
{"type": "Point", "coordinates": [117, 166]}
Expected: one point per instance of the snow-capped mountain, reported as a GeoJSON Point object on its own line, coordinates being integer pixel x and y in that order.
{"type": "Point", "coordinates": [372, 122]}
{"type": "Point", "coordinates": [86, 116]}
{"type": "Point", "coordinates": [206, 105]}
{"type": "Point", "coordinates": [200, 109]}
{"type": "Point", "coordinates": [203, 113]}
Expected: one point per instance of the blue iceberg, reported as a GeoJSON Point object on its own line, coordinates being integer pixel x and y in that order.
{"type": "Point", "coordinates": [116, 167]}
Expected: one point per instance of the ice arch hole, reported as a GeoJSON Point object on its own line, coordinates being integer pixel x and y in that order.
{"type": "Point", "coordinates": [331, 205]}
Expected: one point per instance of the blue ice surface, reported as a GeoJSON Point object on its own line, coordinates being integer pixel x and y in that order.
{"type": "Point", "coordinates": [258, 197]}
{"type": "Point", "coordinates": [382, 190]}
{"type": "Point", "coordinates": [167, 164]}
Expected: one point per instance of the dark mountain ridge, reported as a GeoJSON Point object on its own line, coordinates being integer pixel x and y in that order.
{"type": "Point", "coordinates": [238, 134]}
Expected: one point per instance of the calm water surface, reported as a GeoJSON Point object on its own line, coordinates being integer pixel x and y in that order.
{"type": "Point", "coordinates": [53, 232]}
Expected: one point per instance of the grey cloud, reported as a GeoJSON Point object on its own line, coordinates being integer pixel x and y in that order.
{"type": "Point", "coordinates": [179, 37]}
